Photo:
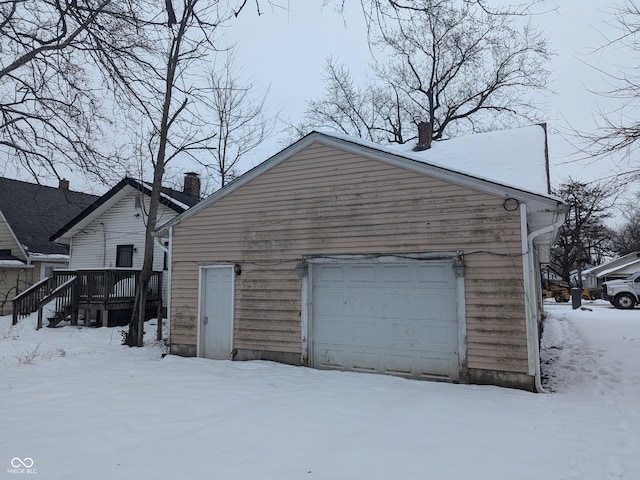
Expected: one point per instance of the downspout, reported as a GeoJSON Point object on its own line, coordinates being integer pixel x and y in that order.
{"type": "Point", "coordinates": [167, 250]}
{"type": "Point", "coordinates": [530, 292]}
{"type": "Point", "coordinates": [104, 245]}
{"type": "Point", "coordinates": [70, 253]}
{"type": "Point", "coordinates": [162, 246]}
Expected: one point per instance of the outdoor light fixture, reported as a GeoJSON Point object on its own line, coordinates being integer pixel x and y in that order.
{"type": "Point", "coordinates": [237, 268]}
{"type": "Point", "coordinates": [458, 265]}
{"type": "Point", "coordinates": [302, 269]}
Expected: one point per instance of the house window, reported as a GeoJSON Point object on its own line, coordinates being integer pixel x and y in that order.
{"type": "Point", "coordinates": [124, 256]}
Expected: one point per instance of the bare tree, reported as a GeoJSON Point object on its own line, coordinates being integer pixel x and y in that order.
{"type": "Point", "coordinates": [379, 12]}
{"type": "Point", "coordinates": [170, 102]}
{"type": "Point", "coordinates": [372, 112]}
{"type": "Point", "coordinates": [584, 239]}
{"type": "Point", "coordinates": [627, 237]}
{"type": "Point", "coordinates": [238, 121]}
{"type": "Point", "coordinates": [183, 37]}
{"type": "Point", "coordinates": [53, 56]}
{"type": "Point", "coordinates": [618, 131]}
{"type": "Point", "coordinates": [456, 65]}
{"type": "Point", "coordinates": [6, 291]}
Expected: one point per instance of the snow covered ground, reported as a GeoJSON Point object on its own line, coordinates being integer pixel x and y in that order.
{"type": "Point", "coordinates": [75, 404]}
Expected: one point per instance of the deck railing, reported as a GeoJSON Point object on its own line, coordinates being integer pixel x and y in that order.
{"type": "Point", "coordinates": [29, 300]}
{"type": "Point", "coordinates": [92, 288]}
{"type": "Point", "coordinates": [114, 286]}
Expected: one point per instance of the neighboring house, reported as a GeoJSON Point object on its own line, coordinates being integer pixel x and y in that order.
{"type": "Point", "coordinates": [614, 270]}
{"type": "Point", "coordinates": [342, 254]}
{"type": "Point", "coordinates": [109, 236]}
{"type": "Point", "coordinates": [29, 214]}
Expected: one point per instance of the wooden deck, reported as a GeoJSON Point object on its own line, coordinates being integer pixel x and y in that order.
{"type": "Point", "coordinates": [90, 291]}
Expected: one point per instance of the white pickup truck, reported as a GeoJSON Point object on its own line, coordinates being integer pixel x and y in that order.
{"type": "Point", "coordinates": [623, 293]}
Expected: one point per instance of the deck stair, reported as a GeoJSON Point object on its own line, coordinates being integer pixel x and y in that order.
{"type": "Point", "coordinates": [88, 290]}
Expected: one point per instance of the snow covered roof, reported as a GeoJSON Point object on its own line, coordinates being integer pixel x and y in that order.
{"type": "Point", "coordinates": [620, 263]}
{"type": "Point", "coordinates": [509, 163]}
{"type": "Point", "coordinates": [10, 262]}
{"type": "Point", "coordinates": [516, 157]}
{"type": "Point", "coordinates": [50, 258]}
{"type": "Point", "coordinates": [631, 267]}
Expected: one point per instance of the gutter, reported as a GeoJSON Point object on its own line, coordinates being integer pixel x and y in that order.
{"type": "Point", "coordinates": [530, 293]}
{"type": "Point", "coordinates": [161, 245]}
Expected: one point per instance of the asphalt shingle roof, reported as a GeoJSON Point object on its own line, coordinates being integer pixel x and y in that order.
{"type": "Point", "coordinates": [34, 212]}
{"type": "Point", "coordinates": [180, 196]}
{"type": "Point", "coordinates": [174, 199]}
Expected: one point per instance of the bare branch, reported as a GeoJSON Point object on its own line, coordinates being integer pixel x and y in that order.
{"type": "Point", "coordinates": [618, 131]}
{"type": "Point", "coordinates": [459, 66]}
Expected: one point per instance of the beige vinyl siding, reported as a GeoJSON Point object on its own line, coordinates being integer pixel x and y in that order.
{"type": "Point", "coordinates": [326, 201]}
{"type": "Point", "coordinates": [10, 278]}
{"type": "Point", "coordinates": [8, 240]}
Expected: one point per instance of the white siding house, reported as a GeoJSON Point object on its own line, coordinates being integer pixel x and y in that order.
{"type": "Point", "coordinates": [123, 223]}
{"type": "Point", "coordinates": [110, 234]}
{"type": "Point", "coordinates": [118, 219]}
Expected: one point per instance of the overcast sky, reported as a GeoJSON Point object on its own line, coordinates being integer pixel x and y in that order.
{"type": "Point", "coordinates": [286, 48]}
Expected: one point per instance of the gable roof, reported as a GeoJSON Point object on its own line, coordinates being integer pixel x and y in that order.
{"type": "Point", "coordinates": [34, 212]}
{"type": "Point", "coordinates": [173, 199]}
{"type": "Point", "coordinates": [631, 260]}
{"type": "Point", "coordinates": [517, 157]}
{"type": "Point", "coordinates": [509, 163]}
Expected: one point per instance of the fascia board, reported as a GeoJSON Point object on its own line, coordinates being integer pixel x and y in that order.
{"type": "Point", "coordinates": [87, 217]}
{"type": "Point", "coordinates": [535, 201]}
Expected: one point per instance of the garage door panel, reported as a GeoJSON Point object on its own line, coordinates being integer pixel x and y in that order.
{"type": "Point", "coordinates": [331, 274]}
{"type": "Point", "coordinates": [395, 274]}
{"type": "Point", "coordinates": [399, 318]}
{"type": "Point", "coordinates": [365, 274]}
{"type": "Point", "coordinates": [435, 274]}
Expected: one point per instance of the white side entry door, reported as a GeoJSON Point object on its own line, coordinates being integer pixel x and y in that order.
{"type": "Point", "coordinates": [216, 312]}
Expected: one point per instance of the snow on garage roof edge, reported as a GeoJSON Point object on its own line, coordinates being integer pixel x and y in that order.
{"type": "Point", "coordinates": [485, 157]}
{"type": "Point", "coordinates": [515, 157]}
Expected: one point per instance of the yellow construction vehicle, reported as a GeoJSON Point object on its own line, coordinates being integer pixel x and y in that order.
{"type": "Point", "coordinates": [559, 290]}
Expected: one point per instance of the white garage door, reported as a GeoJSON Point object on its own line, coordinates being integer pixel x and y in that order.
{"type": "Point", "coordinates": [395, 318]}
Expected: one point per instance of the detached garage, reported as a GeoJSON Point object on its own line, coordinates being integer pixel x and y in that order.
{"type": "Point", "coordinates": [341, 254]}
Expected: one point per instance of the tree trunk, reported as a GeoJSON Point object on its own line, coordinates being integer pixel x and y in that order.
{"type": "Point", "coordinates": [136, 325]}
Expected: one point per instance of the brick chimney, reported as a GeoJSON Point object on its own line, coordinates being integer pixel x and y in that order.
{"type": "Point", "coordinates": [424, 137]}
{"type": "Point", "coordinates": [192, 185]}
{"type": "Point", "coordinates": [63, 184]}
